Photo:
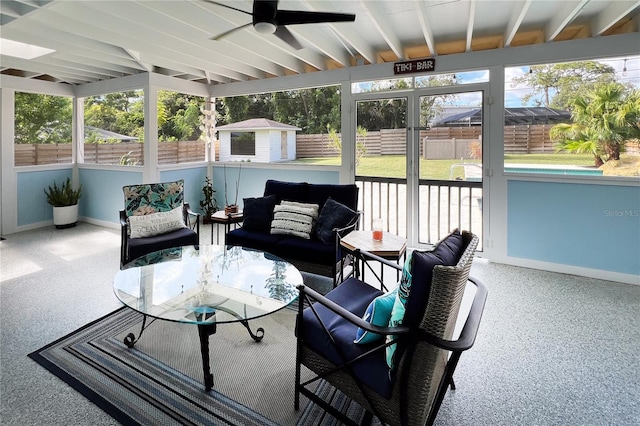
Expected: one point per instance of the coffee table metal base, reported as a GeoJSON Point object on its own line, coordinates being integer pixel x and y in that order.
{"type": "Point", "coordinates": [204, 332]}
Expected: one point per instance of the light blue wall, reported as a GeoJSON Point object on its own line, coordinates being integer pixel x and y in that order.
{"type": "Point", "coordinates": [252, 180]}
{"type": "Point", "coordinates": [102, 189]}
{"type": "Point", "coordinates": [102, 197]}
{"type": "Point", "coordinates": [193, 183]}
{"type": "Point", "coordinates": [590, 226]}
{"type": "Point", "coordinates": [32, 202]}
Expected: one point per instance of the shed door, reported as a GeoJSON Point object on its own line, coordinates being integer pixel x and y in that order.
{"type": "Point", "coordinates": [283, 146]}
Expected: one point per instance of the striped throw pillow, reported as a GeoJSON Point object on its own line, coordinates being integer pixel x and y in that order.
{"type": "Point", "coordinates": [293, 218]}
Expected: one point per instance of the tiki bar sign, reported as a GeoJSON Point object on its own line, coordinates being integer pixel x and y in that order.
{"type": "Point", "coordinates": [418, 65]}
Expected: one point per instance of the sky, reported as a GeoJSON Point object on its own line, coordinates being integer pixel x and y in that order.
{"type": "Point", "coordinates": [514, 95]}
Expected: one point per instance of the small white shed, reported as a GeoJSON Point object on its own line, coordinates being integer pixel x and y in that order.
{"type": "Point", "coordinates": [258, 140]}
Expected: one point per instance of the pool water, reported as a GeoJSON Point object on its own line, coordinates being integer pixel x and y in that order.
{"type": "Point", "coordinates": [554, 171]}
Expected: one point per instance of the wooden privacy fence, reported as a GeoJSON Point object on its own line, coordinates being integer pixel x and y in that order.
{"type": "Point", "coordinates": [111, 153]}
{"type": "Point", "coordinates": [448, 142]}
{"type": "Point", "coordinates": [526, 139]}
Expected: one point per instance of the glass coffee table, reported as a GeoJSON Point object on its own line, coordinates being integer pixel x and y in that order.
{"type": "Point", "coordinates": [206, 285]}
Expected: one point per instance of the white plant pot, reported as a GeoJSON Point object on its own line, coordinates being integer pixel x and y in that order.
{"type": "Point", "coordinates": [65, 217]}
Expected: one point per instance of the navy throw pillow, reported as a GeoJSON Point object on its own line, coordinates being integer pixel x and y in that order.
{"type": "Point", "coordinates": [258, 213]}
{"type": "Point", "coordinates": [447, 252]}
{"type": "Point", "coordinates": [333, 215]}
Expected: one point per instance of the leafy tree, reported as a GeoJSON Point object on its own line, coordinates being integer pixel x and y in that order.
{"type": "Point", "coordinates": [234, 109]}
{"type": "Point", "coordinates": [120, 112]}
{"type": "Point", "coordinates": [310, 109]}
{"type": "Point", "coordinates": [432, 106]}
{"type": "Point", "coordinates": [555, 85]}
{"type": "Point", "coordinates": [335, 141]}
{"type": "Point", "coordinates": [178, 116]}
{"type": "Point", "coordinates": [382, 114]}
{"type": "Point", "coordinates": [602, 120]}
{"type": "Point", "coordinates": [42, 119]}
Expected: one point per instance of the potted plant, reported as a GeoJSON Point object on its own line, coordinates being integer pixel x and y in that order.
{"type": "Point", "coordinates": [209, 205]}
{"type": "Point", "coordinates": [64, 200]}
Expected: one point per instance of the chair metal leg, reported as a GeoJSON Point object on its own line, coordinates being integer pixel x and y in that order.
{"type": "Point", "coordinates": [442, 389]}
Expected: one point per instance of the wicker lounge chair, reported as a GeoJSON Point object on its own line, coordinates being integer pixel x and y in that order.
{"type": "Point", "coordinates": [412, 391]}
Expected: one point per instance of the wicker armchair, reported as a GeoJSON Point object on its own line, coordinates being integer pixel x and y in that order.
{"type": "Point", "coordinates": [412, 391]}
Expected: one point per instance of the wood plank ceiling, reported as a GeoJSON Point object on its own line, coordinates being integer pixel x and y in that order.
{"type": "Point", "coordinates": [95, 40]}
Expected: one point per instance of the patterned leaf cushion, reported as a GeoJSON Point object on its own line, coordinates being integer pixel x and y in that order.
{"type": "Point", "coordinates": [158, 223]}
{"type": "Point", "coordinates": [293, 218]}
{"type": "Point", "coordinates": [153, 197]}
{"type": "Point", "coordinates": [333, 215]}
{"type": "Point", "coordinates": [378, 313]}
{"type": "Point", "coordinates": [258, 213]}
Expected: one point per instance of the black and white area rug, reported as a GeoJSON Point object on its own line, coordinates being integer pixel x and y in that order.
{"type": "Point", "coordinates": [159, 381]}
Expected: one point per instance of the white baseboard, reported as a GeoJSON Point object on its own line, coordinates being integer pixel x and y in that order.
{"type": "Point", "coordinates": [33, 226]}
{"type": "Point", "coordinates": [103, 223]}
{"type": "Point", "coordinates": [570, 269]}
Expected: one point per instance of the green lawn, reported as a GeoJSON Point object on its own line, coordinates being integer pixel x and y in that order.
{"type": "Point", "coordinates": [395, 166]}
{"type": "Point", "coordinates": [556, 159]}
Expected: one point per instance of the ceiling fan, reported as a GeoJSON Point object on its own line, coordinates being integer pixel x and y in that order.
{"type": "Point", "coordinates": [267, 19]}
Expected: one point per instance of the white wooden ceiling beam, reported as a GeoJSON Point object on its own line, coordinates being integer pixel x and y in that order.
{"type": "Point", "coordinates": [199, 16]}
{"type": "Point", "coordinates": [174, 65]}
{"type": "Point", "coordinates": [52, 70]}
{"type": "Point", "coordinates": [141, 41]}
{"type": "Point", "coordinates": [328, 46]}
{"type": "Point", "coordinates": [614, 12]}
{"type": "Point", "coordinates": [470, 24]}
{"type": "Point", "coordinates": [73, 65]}
{"type": "Point", "coordinates": [199, 23]}
{"type": "Point", "coordinates": [515, 21]}
{"type": "Point", "coordinates": [564, 17]}
{"type": "Point", "coordinates": [427, 33]}
{"type": "Point", "coordinates": [136, 57]}
{"type": "Point", "coordinates": [35, 32]}
{"type": "Point", "coordinates": [347, 31]}
{"type": "Point", "coordinates": [14, 9]}
{"type": "Point", "coordinates": [162, 35]}
{"type": "Point", "coordinates": [131, 68]}
{"type": "Point", "coordinates": [386, 30]}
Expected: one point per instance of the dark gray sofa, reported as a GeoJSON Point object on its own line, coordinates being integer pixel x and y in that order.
{"type": "Point", "coordinates": [320, 254]}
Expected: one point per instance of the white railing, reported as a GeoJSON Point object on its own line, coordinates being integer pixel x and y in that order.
{"type": "Point", "coordinates": [443, 206]}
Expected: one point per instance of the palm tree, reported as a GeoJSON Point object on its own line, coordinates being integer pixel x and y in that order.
{"type": "Point", "coordinates": [602, 121]}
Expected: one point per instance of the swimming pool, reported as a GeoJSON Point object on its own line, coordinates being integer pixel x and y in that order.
{"type": "Point", "coordinates": [575, 171]}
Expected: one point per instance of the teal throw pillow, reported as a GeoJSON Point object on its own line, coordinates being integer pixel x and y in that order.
{"type": "Point", "coordinates": [378, 313]}
{"type": "Point", "coordinates": [397, 312]}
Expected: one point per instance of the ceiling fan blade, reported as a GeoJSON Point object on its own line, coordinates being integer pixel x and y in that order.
{"type": "Point", "coordinates": [228, 7]}
{"type": "Point", "coordinates": [285, 35]}
{"type": "Point", "coordinates": [226, 33]}
{"type": "Point", "coordinates": [294, 17]}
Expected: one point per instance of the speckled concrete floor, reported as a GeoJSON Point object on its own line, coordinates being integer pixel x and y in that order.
{"type": "Point", "coordinates": [552, 349]}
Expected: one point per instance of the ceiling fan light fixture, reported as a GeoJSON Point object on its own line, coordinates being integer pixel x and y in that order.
{"type": "Point", "coordinates": [265, 27]}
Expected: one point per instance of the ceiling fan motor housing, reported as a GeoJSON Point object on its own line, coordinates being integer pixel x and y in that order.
{"type": "Point", "coordinates": [264, 16]}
